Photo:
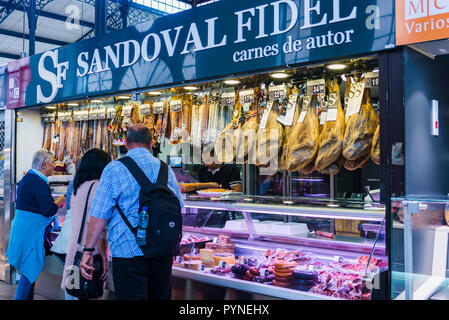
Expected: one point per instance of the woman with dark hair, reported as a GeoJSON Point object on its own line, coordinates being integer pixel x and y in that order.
{"type": "Point", "coordinates": [85, 183]}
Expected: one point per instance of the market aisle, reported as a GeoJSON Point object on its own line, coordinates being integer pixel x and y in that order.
{"type": "Point", "coordinates": [7, 292]}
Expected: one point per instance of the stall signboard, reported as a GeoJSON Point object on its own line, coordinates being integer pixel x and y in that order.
{"type": "Point", "coordinates": [213, 41]}
{"type": "Point", "coordinates": [19, 76]}
{"type": "Point", "coordinates": [3, 87]}
{"type": "Point", "coordinates": [421, 20]}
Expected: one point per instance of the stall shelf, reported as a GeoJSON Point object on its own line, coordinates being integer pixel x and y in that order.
{"type": "Point", "coordinates": [256, 288]}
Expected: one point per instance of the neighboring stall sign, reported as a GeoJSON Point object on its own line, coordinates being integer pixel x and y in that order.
{"type": "Point", "coordinates": [19, 76]}
{"type": "Point", "coordinates": [217, 40]}
{"type": "Point", "coordinates": [3, 87]}
{"type": "Point", "coordinates": [421, 20]}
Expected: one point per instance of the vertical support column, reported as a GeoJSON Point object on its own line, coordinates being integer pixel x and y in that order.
{"type": "Point", "coordinates": [100, 17]}
{"type": "Point", "coordinates": [391, 116]}
{"type": "Point", "coordinates": [408, 252]}
{"type": "Point", "coordinates": [124, 9]}
{"type": "Point", "coordinates": [9, 193]}
{"type": "Point", "coordinates": [32, 17]}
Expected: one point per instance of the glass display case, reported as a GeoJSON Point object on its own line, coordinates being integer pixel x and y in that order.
{"type": "Point", "coordinates": [284, 247]}
{"type": "Point", "coordinates": [419, 269]}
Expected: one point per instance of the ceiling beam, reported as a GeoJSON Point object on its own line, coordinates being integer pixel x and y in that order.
{"type": "Point", "coordinates": [51, 15]}
{"type": "Point", "coordinates": [38, 39]}
{"type": "Point", "coordinates": [9, 56]}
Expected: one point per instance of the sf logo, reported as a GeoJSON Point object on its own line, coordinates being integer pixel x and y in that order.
{"type": "Point", "coordinates": [49, 75]}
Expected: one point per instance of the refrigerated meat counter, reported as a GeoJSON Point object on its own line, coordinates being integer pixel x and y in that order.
{"type": "Point", "coordinates": [264, 228]}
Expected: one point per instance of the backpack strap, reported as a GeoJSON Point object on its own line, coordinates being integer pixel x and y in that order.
{"type": "Point", "coordinates": [84, 214]}
{"type": "Point", "coordinates": [134, 169]}
{"type": "Point", "coordinates": [133, 229]}
{"type": "Point", "coordinates": [162, 178]}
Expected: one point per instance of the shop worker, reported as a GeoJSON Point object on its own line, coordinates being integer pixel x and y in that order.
{"type": "Point", "coordinates": [226, 175]}
{"type": "Point", "coordinates": [35, 208]}
{"type": "Point", "coordinates": [135, 277]}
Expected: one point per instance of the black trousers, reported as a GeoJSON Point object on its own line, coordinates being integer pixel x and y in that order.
{"type": "Point", "coordinates": [141, 278]}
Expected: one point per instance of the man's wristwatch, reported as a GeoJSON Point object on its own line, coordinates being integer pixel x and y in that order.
{"type": "Point", "coordinates": [88, 249]}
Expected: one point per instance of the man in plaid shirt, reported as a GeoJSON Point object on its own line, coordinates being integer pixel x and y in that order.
{"type": "Point", "coordinates": [135, 277]}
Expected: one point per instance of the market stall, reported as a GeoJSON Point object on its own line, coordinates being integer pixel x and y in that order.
{"type": "Point", "coordinates": [299, 111]}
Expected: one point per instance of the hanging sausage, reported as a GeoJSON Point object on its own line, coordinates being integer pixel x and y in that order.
{"type": "Point", "coordinates": [226, 144]}
{"type": "Point", "coordinates": [176, 109]}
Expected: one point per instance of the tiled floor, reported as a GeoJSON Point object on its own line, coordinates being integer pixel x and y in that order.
{"type": "Point", "coordinates": [7, 292]}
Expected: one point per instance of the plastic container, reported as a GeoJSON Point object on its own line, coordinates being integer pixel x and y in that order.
{"type": "Point", "coordinates": [264, 226]}
{"type": "Point", "coordinates": [289, 228]}
{"type": "Point", "coordinates": [238, 225]}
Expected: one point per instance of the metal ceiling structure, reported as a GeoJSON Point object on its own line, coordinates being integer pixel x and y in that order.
{"type": "Point", "coordinates": [28, 27]}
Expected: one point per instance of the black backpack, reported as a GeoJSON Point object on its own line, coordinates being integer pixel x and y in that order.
{"type": "Point", "coordinates": [165, 221]}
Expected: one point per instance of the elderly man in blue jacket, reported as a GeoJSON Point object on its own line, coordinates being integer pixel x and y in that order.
{"type": "Point", "coordinates": [35, 208]}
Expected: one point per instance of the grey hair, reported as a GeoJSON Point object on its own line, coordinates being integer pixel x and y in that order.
{"type": "Point", "coordinates": [138, 133]}
{"type": "Point", "coordinates": [40, 158]}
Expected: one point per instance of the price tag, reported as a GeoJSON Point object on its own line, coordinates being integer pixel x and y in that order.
{"type": "Point", "coordinates": [81, 115]}
{"type": "Point", "coordinates": [111, 112]}
{"type": "Point", "coordinates": [372, 79]}
{"type": "Point", "coordinates": [145, 109]}
{"type": "Point", "coordinates": [101, 115]}
{"type": "Point", "coordinates": [332, 114]}
{"type": "Point", "coordinates": [158, 107]}
{"type": "Point", "coordinates": [332, 106]}
{"type": "Point", "coordinates": [93, 115]}
{"type": "Point", "coordinates": [264, 272]}
{"type": "Point", "coordinates": [246, 96]}
{"type": "Point", "coordinates": [215, 240]}
{"type": "Point", "coordinates": [48, 117]}
{"type": "Point", "coordinates": [179, 259]}
{"type": "Point", "coordinates": [222, 264]}
{"type": "Point", "coordinates": [176, 105]}
{"type": "Point", "coordinates": [127, 111]}
{"type": "Point", "coordinates": [305, 106]}
{"type": "Point", "coordinates": [287, 120]}
{"type": "Point", "coordinates": [60, 116]}
{"type": "Point", "coordinates": [316, 86]}
{"type": "Point", "coordinates": [266, 112]}
{"type": "Point", "coordinates": [277, 92]}
{"type": "Point", "coordinates": [354, 97]}
{"type": "Point", "coordinates": [323, 117]}
{"type": "Point", "coordinates": [322, 110]}
{"type": "Point", "coordinates": [135, 96]}
{"type": "Point", "coordinates": [228, 99]}
{"type": "Point", "coordinates": [67, 116]}
{"type": "Point", "coordinates": [201, 267]}
{"type": "Point", "coordinates": [85, 115]}
{"type": "Point", "coordinates": [52, 117]}
{"type": "Point", "coordinates": [302, 116]}
{"type": "Point", "coordinates": [338, 259]}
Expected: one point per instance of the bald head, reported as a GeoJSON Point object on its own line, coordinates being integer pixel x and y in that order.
{"type": "Point", "coordinates": [138, 136]}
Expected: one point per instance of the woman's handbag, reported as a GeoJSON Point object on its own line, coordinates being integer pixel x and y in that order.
{"type": "Point", "coordinates": [79, 286]}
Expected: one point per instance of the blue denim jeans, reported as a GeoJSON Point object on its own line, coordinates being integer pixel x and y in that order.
{"type": "Point", "coordinates": [25, 289]}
